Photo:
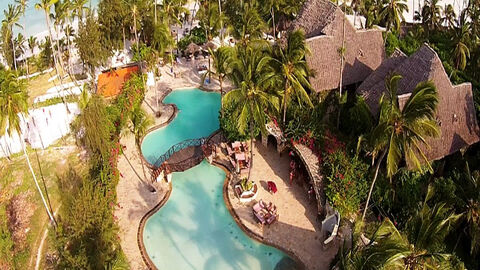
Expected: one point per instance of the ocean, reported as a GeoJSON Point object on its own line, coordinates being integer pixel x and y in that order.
{"type": "Point", "coordinates": [35, 19]}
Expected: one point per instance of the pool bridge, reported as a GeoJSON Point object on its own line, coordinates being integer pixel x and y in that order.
{"type": "Point", "coordinates": [185, 155]}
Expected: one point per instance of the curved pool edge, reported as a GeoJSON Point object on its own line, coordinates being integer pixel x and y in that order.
{"type": "Point", "coordinates": [146, 259]}
{"type": "Point", "coordinates": [170, 118]}
{"type": "Point", "coordinates": [244, 228]}
{"type": "Point", "coordinates": [229, 207]}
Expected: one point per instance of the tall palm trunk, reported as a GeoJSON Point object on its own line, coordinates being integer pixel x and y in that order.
{"type": "Point", "coordinates": [220, 81]}
{"type": "Point", "coordinates": [137, 142]}
{"type": "Point", "coordinates": [285, 96]}
{"type": "Point", "coordinates": [273, 24]}
{"type": "Point", "coordinates": [25, 34]}
{"type": "Point", "coordinates": [14, 54]}
{"type": "Point", "coordinates": [221, 22]}
{"type": "Point", "coordinates": [43, 181]}
{"type": "Point", "coordinates": [342, 64]}
{"type": "Point", "coordinates": [51, 42]}
{"type": "Point", "coordinates": [251, 149]}
{"type": "Point", "coordinates": [135, 26]}
{"type": "Point", "coordinates": [59, 51]}
{"type": "Point", "coordinates": [50, 215]}
{"type": "Point", "coordinates": [373, 183]}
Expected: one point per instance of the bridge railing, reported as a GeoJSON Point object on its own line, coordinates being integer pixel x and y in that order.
{"type": "Point", "coordinates": [177, 147]}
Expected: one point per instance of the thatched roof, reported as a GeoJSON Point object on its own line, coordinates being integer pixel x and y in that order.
{"type": "Point", "coordinates": [209, 45]}
{"type": "Point", "coordinates": [310, 160]}
{"type": "Point", "coordinates": [323, 23]}
{"type": "Point", "coordinates": [455, 113]}
{"type": "Point", "coordinates": [192, 48]}
{"type": "Point", "coordinates": [314, 17]}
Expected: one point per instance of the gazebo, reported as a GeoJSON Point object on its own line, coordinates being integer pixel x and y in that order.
{"type": "Point", "coordinates": [276, 132]}
{"type": "Point", "coordinates": [209, 46]}
{"type": "Point", "coordinates": [192, 48]}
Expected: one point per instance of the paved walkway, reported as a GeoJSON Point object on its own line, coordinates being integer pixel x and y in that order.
{"type": "Point", "coordinates": [297, 228]}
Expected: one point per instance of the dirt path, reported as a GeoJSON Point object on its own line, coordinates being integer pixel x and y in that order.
{"type": "Point", "coordinates": [40, 247]}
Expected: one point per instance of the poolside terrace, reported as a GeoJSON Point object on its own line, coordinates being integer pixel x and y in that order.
{"type": "Point", "coordinates": [297, 229]}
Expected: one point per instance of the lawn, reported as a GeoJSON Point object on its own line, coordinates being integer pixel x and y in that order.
{"type": "Point", "coordinates": [39, 85]}
{"type": "Point", "coordinates": [16, 181]}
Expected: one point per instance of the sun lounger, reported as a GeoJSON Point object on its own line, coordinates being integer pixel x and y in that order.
{"type": "Point", "coordinates": [234, 164]}
{"type": "Point", "coordinates": [238, 190]}
{"type": "Point", "coordinates": [271, 219]}
{"type": "Point", "coordinates": [330, 226]}
{"type": "Point", "coordinates": [259, 217]}
{"type": "Point", "coordinates": [244, 171]}
{"type": "Point", "coordinates": [257, 207]}
{"type": "Point", "coordinates": [230, 151]}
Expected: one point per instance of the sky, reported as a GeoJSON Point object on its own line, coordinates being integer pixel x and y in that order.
{"type": "Point", "coordinates": [35, 19]}
{"type": "Point", "coordinates": [36, 25]}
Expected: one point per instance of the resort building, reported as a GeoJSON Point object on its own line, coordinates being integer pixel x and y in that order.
{"type": "Point", "coordinates": [110, 82]}
{"type": "Point", "coordinates": [455, 113]}
{"type": "Point", "coordinates": [326, 26]}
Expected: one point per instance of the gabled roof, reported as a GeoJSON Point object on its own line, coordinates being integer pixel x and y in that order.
{"type": "Point", "coordinates": [323, 23]}
{"type": "Point", "coordinates": [455, 111]}
{"type": "Point", "coordinates": [314, 16]}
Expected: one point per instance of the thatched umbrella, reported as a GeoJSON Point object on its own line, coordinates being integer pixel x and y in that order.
{"type": "Point", "coordinates": [192, 48]}
{"type": "Point", "coordinates": [209, 45]}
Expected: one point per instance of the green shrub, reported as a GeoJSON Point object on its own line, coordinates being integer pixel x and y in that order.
{"type": "Point", "coordinates": [229, 126]}
{"type": "Point", "coordinates": [400, 198]}
{"type": "Point", "coordinates": [56, 100]}
{"type": "Point", "coordinates": [6, 241]}
{"type": "Point", "coordinates": [345, 186]}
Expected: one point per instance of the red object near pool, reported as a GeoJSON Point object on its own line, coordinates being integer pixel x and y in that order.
{"type": "Point", "coordinates": [272, 187]}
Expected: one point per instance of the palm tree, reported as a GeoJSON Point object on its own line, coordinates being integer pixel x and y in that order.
{"type": "Point", "coordinates": [431, 14]}
{"type": "Point", "coordinates": [45, 5]}
{"type": "Point", "coordinates": [293, 69]}
{"type": "Point", "coordinates": [461, 52]}
{"type": "Point", "coordinates": [392, 14]}
{"type": "Point", "coordinates": [61, 10]}
{"type": "Point", "coordinates": [251, 75]}
{"type": "Point", "coordinates": [23, 6]}
{"type": "Point", "coordinates": [140, 122]}
{"type": "Point", "coordinates": [78, 8]}
{"type": "Point", "coordinates": [250, 24]}
{"type": "Point", "coordinates": [355, 5]}
{"type": "Point", "coordinates": [401, 130]}
{"type": "Point", "coordinates": [20, 46]}
{"type": "Point", "coordinates": [32, 43]}
{"type": "Point", "coordinates": [13, 107]}
{"type": "Point", "coordinates": [12, 16]}
{"type": "Point", "coordinates": [221, 60]}
{"type": "Point", "coordinates": [467, 196]}
{"type": "Point", "coordinates": [172, 10]}
{"type": "Point", "coordinates": [449, 17]}
{"type": "Point", "coordinates": [417, 247]}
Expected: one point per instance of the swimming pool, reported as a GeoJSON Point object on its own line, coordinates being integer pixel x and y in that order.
{"type": "Point", "coordinates": [197, 117]}
{"type": "Point", "coordinates": [194, 229]}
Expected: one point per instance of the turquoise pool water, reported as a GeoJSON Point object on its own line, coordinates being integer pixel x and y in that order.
{"type": "Point", "coordinates": [197, 117]}
{"type": "Point", "coordinates": [194, 229]}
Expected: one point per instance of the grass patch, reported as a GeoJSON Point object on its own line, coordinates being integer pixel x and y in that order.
{"type": "Point", "coordinates": [39, 85]}
{"type": "Point", "coordinates": [15, 178]}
